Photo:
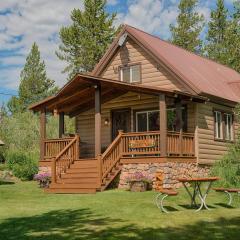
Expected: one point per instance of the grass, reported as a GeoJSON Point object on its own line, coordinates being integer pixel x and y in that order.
{"type": "Point", "coordinates": [28, 213]}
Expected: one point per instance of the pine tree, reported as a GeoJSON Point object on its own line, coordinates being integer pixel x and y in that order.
{"type": "Point", "coordinates": [186, 33]}
{"type": "Point", "coordinates": [84, 42]}
{"type": "Point", "coordinates": [216, 35]}
{"type": "Point", "coordinates": [34, 84]}
{"type": "Point", "coordinates": [232, 41]}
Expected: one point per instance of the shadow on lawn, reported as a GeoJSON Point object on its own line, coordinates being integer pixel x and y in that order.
{"type": "Point", "coordinates": [84, 224]}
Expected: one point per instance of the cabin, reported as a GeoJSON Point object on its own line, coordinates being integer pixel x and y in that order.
{"type": "Point", "coordinates": [148, 105]}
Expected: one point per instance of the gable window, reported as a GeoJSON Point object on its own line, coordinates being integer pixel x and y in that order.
{"type": "Point", "coordinates": [218, 125]}
{"type": "Point", "coordinates": [228, 119]}
{"type": "Point", "coordinates": [130, 74]}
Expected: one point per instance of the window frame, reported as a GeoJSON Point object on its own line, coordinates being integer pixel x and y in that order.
{"type": "Point", "coordinates": [130, 67]}
{"type": "Point", "coordinates": [226, 128]}
{"type": "Point", "coordinates": [223, 126]}
{"type": "Point", "coordinates": [144, 110]}
{"type": "Point", "coordinates": [141, 112]}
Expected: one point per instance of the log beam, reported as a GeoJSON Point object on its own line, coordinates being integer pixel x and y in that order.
{"type": "Point", "coordinates": [163, 125]}
{"type": "Point", "coordinates": [97, 120]}
{"type": "Point", "coordinates": [61, 124]}
{"type": "Point", "coordinates": [42, 132]}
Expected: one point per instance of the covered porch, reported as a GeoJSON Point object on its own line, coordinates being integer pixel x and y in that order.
{"type": "Point", "coordinates": [166, 136]}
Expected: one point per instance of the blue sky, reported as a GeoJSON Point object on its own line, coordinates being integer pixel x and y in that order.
{"type": "Point", "coordinates": [23, 22]}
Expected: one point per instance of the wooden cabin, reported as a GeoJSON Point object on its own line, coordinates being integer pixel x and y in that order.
{"type": "Point", "coordinates": [147, 105]}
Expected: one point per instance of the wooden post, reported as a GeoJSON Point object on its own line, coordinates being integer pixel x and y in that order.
{"type": "Point", "coordinates": [42, 133]}
{"type": "Point", "coordinates": [61, 124]}
{"type": "Point", "coordinates": [97, 120]}
{"type": "Point", "coordinates": [163, 125]}
{"type": "Point", "coordinates": [99, 158]}
{"type": "Point", "coordinates": [179, 125]}
{"type": "Point", "coordinates": [179, 120]}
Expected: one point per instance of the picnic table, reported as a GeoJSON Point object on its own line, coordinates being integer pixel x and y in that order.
{"type": "Point", "coordinates": [196, 183]}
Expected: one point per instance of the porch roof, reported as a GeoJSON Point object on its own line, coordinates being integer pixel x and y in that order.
{"type": "Point", "coordinates": [78, 94]}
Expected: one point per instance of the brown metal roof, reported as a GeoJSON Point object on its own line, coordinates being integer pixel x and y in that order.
{"type": "Point", "coordinates": [202, 75]}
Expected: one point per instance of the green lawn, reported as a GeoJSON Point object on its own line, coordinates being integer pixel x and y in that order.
{"type": "Point", "coordinates": [28, 213]}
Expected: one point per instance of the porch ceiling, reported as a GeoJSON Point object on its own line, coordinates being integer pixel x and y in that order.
{"type": "Point", "coordinates": [78, 94]}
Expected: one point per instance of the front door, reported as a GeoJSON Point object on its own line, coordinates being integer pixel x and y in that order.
{"type": "Point", "coordinates": [121, 120]}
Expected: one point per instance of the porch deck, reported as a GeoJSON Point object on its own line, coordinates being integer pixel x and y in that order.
{"type": "Point", "coordinates": [71, 173]}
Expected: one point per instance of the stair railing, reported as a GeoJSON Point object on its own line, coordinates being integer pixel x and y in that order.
{"type": "Point", "coordinates": [111, 156]}
{"type": "Point", "coordinates": [65, 158]}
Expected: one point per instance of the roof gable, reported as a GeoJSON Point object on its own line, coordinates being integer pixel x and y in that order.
{"type": "Point", "coordinates": [201, 75]}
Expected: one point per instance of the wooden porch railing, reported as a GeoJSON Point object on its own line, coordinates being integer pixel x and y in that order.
{"type": "Point", "coordinates": [52, 147]}
{"type": "Point", "coordinates": [180, 144]}
{"type": "Point", "coordinates": [144, 143]}
{"type": "Point", "coordinates": [65, 158]}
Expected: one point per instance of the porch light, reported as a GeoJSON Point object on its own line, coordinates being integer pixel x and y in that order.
{"type": "Point", "coordinates": [106, 122]}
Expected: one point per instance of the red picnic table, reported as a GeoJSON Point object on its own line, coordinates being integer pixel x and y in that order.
{"type": "Point", "coordinates": [197, 191]}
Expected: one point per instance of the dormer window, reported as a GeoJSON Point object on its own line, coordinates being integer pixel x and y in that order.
{"type": "Point", "coordinates": [130, 74]}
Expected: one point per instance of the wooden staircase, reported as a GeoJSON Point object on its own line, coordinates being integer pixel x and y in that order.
{"type": "Point", "coordinates": [72, 175]}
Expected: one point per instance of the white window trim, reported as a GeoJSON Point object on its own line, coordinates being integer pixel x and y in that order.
{"type": "Point", "coordinates": [131, 72]}
{"type": "Point", "coordinates": [229, 118]}
{"type": "Point", "coordinates": [218, 113]}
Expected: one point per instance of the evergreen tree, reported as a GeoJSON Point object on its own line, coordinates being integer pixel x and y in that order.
{"type": "Point", "coordinates": [216, 36]}
{"type": "Point", "coordinates": [34, 84]}
{"type": "Point", "coordinates": [84, 42]}
{"type": "Point", "coordinates": [232, 41]}
{"type": "Point", "coordinates": [189, 26]}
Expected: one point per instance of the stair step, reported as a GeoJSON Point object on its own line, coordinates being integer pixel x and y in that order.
{"type": "Point", "coordinates": [71, 190]}
{"type": "Point", "coordinates": [78, 180]}
{"type": "Point", "coordinates": [84, 166]}
{"type": "Point", "coordinates": [73, 185]}
{"type": "Point", "coordinates": [86, 162]}
{"type": "Point", "coordinates": [80, 175]}
{"type": "Point", "coordinates": [82, 170]}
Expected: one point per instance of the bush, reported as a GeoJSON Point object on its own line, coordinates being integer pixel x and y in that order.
{"type": "Point", "coordinates": [22, 165]}
{"type": "Point", "coordinates": [228, 169]}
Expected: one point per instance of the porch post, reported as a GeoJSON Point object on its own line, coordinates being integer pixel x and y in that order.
{"type": "Point", "coordinates": [61, 124]}
{"type": "Point", "coordinates": [42, 132]}
{"type": "Point", "coordinates": [163, 125]}
{"type": "Point", "coordinates": [97, 120]}
{"type": "Point", "coordinates": [179, 121]}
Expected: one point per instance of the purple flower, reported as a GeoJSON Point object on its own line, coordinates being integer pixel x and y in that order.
{"type": "Point", "coordinates": [139, 176]}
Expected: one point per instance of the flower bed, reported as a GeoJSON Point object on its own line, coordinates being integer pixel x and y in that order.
{"type": "Point", "coordinates": [138, 182]}
{"type": "Point", "coordinates": [44, 179]}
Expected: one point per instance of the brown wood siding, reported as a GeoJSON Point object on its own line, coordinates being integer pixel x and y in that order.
{"type": "Point", "coordinates": [210, 149]}
{"type": "Point", "coordinates": [152, 74]}
{"type": "Point", "coordinates": [134, 101]}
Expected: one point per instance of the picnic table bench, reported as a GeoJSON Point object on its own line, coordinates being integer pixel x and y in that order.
{"type": "Point", "coordinates": [229, 192]}
{"type": "Point", "coordinates": [164, 193]}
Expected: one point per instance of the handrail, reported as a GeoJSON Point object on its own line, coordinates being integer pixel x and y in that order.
{"type": "Point", "coordinates": [111, 156]}
{"type": "Point", "coordinates": [65, 158]}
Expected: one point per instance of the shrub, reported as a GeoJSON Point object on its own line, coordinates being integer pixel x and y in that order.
{"type": "Point", "coordinates": [228, 169]}
{"type": "Point", "coordinates": [23, 165]}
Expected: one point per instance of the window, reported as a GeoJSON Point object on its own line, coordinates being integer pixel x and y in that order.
{"type": "Point", "coordinates": [147, 121]}
{"type": "Point", "coordinates": [130, 74]}
{"type": "Point", "coordinates": [218, 125]}
{"type": "Point", "coordinates": [228, 119]}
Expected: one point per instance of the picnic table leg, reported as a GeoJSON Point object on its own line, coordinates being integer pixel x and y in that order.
{"type": "Point", "coordinates": [203, 197]}
{"type": "Point", "coordinates": [192, 196]}
{"type": "Point", "coordinates": [229, 197]}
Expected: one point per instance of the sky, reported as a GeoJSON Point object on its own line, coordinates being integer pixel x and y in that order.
{"type": "Point", "coordinates": [23, 22]}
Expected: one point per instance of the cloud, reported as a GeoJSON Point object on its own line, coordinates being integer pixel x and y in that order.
{"type": "Point", "coordinates": [153, 16]}
{"type": "Point", "coordinates": [28, 21]}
